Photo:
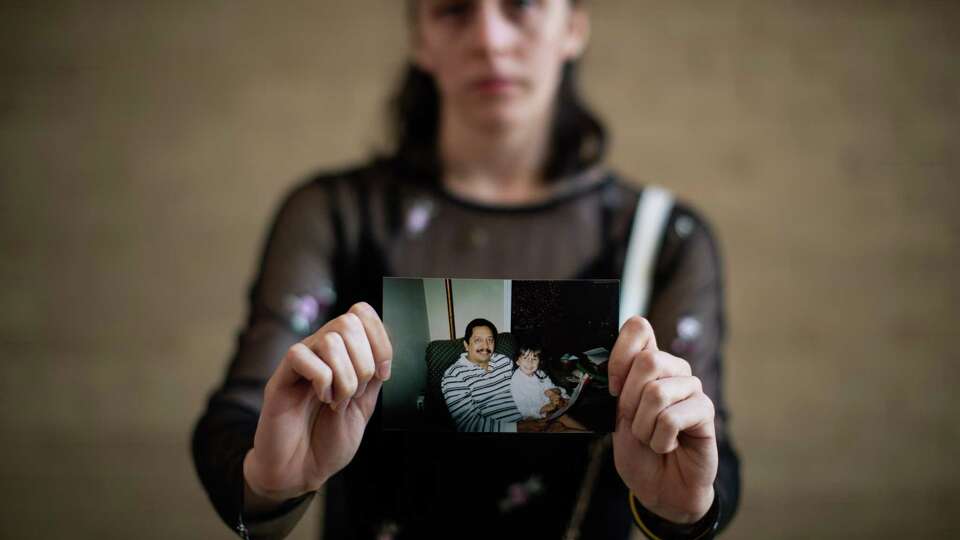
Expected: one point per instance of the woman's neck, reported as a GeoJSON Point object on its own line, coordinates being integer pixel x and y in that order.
{"type": "Point", "coordinates": [499, 166]}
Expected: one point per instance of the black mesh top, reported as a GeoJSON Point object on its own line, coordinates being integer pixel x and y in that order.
{"type": "Point", "coordinates": [337, 235]}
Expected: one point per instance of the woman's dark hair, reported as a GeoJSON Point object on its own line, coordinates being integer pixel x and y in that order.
{"type": "Point", "coordinates": [578, 139]}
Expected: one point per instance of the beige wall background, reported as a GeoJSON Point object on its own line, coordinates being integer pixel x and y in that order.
{"type": "Point", "coordinates": [144, 145]}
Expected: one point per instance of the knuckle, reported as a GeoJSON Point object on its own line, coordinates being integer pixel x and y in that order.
{"type": "Point", "coordinates": [350, 383]}
{"type": "Point", "coordinates": [660, 447]}
{"type": "Point", "coordinates": [710, 406]}
{"type": "Point", "coordinates": [338, 324]}
{"type": "Point", "coordinates": [669, 422]}
{"type": "Point", "coordinates": [654, 442]}
{"type": "Point", "coordinates": [298, 350]}
{"type": "Point", "coordinates": [647, 360]}
{"type": "Point", "coordinates": [351, 321]}
{"type": "Point", "coordinates": [297, 353]}
{"type": "Point", "coordinates": [387, 352]}
{"type": "Point", "coordinates": [657, 394]}
{"type": "Point", "coordinates": [365, 371]}
{"type": "Point", "coordinates": [361, 309]}
{"type": "Point", "coordinates": [331, 340]}
{"type": "Point", "coordinates": [292, 353]}
{"type": "Point", "coordinates": [324, 375]}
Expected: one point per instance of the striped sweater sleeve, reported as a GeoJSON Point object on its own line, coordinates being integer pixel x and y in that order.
{"type": "Point", "coordinates": [466, 410]}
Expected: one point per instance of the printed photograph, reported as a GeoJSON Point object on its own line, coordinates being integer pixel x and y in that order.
{"type": "Point", "coordinates": [500, 356]}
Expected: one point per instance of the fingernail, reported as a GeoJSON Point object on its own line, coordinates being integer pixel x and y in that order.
{"type": "Point", "coordinates": [327, 395]}
{"type": "Point", "coordinates": [384, 371]}
{"type": "Point", "coordinates": [614, 386]}
{"type": "Point", "coordinates": [361, 390]}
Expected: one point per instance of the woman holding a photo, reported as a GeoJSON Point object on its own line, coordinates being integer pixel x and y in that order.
{"type": "Point", "coordinates": [497, 172]}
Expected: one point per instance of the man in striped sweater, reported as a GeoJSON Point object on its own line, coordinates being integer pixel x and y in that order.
{"type": "Point", "coordinates": [476, 387]}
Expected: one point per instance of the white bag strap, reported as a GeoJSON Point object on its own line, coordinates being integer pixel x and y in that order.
{"type": "Point", "coordinates": [653, 211]}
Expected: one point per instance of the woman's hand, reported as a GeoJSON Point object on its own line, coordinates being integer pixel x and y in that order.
{"type": "Point", "coordinates": [664, 447]}
{"type": "Point", "coordinates": [316, 407]}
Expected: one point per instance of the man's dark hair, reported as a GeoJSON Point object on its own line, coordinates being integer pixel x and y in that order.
{"type": "Point", "coordinates": [479, 322]}
{"type": "Point", "coordinates": [578, 138]}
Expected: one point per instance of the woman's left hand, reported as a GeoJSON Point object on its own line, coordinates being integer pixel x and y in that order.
{"type": "Point", "coordinates": [665, 446]}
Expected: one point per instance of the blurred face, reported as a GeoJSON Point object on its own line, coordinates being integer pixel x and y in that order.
{"type": "Point", "coordinates": [480, 346]}
{"type": "Point", "coordinates": [497, 63]}
{"type": "Point", "coordinates": [529, 361]}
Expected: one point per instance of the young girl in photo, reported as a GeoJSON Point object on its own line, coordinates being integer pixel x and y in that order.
{"type": "Point", "coordinates": [535, 395]}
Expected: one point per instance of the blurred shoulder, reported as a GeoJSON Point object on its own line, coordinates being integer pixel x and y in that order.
{"type": "Point", "coordinates": [688, 221]}
{"type": "Point", "coordinates": [690, 242]}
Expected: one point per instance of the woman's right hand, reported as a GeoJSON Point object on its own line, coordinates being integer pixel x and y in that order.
{"type": "Point", "coordinates": [315, 409]}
